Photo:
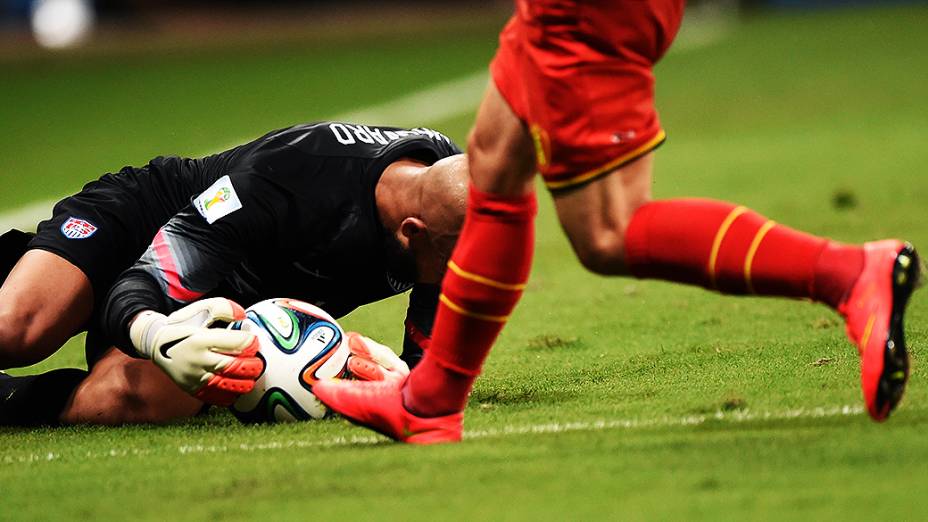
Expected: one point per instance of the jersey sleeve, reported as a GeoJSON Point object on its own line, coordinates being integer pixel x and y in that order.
{"type": "Point", "coordinates": [420, 317]}
{"type": "Point", "coordinates": [197, 249]}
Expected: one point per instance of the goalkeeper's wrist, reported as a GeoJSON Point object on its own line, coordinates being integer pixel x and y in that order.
{"type": "Point", "coordinates": [142, 331]}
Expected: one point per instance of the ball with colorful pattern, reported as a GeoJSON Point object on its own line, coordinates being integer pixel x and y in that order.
{"type": "Point", "coordinates": [300, 344]}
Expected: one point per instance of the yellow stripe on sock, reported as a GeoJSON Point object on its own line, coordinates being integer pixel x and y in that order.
{"type": "Point", "coordinates": [749, 259]}
{"type": "Point", "coordinates": [460, 272]}
{"type": "Point", "coordinates": [719, 236]}
{"type": "Point", "coordinates": [465, 312]}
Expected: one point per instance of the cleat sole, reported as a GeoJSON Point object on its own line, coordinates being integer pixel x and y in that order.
{"type": "Point", "coordinates": [906, 277]}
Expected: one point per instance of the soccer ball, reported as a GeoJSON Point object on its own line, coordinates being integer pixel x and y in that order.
{"type": "Point", "coordinates": [300, 344]}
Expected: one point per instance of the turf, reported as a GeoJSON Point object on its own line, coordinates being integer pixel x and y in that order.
{"type": "Point", "coordinates": [605, 398]}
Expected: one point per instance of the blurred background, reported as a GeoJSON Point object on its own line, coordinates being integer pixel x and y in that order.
{"type": "Point", "coordinates": [57, 24]}
{"type": "Point", "coordinates": [89, 86]}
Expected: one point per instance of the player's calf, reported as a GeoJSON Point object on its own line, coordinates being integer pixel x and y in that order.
{"type": "Point", "coordinates": [108, 399]}
{"type": "Point", "coordinates": [123, 390]}
{"type": "Point", "coordinates": [596, 216]}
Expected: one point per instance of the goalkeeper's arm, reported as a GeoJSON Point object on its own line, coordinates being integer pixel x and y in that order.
{"type": "Point", "coordinates": [420, 316]}
{"type": "Point", "coordinates": [152, 310]}
{"type": "Point", "coordinates": [213, 365]}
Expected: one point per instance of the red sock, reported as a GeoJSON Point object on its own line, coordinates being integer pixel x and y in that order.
{"type": "Point", "coordinates": [484, 281]}
{"type": "Point", "coordinates": [736, 251]}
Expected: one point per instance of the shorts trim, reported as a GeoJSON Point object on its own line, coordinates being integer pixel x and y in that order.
{"type": "Point", "coordinates": [634, 154]}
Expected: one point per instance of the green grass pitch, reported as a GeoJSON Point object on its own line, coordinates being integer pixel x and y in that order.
{"type": "Point", "coordinates": [605, 398]}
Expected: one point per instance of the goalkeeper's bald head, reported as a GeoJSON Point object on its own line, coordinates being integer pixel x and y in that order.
{"type": "Point", "coordinates": [422, 207]}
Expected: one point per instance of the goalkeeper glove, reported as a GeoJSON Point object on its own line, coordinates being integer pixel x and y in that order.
{"type": "Point", "coordinates": [212, 364]}
{"type": "Point", "coordinates": [372, 361]}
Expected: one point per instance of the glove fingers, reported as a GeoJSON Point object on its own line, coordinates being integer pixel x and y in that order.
{"type": "Point", "coordinates": [243, 367]}
{"type": "Point", "coordinates": [223, 391]}
{"type": "Point", "coordinates": [208, 311]}
{"type": "Point", "coordinates": [365, 369]}
{"type": "Point", "coordinates": [228, 312]}
{"type": "Point", "coordinates": [356, 343]}
{"type": "Point", "coordinates": [369, 349]}
{"type": "Point", "coordinates": [222, 309]}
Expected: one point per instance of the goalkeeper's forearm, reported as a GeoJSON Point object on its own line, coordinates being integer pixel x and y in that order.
{"type": "Point", "coordinates": [134, 292]}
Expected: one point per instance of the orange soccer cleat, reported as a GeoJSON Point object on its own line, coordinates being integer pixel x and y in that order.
{"type": "Point", "coordinates": [874, 313]}
{"type": "Point", "coordinates": [379, 406]}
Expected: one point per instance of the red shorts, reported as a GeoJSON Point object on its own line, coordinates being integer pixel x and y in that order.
{"type": "Point", "coordinates": [580, 75]}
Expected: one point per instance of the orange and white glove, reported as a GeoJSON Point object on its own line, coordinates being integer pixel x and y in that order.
{"type": "Point", "coordinates": [372, 361]}
{"type": "Point", "coordinates": [212, 364]}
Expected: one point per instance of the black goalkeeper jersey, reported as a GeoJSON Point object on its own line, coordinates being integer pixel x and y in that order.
{"type": "Point", "coordinates": [291, 214]}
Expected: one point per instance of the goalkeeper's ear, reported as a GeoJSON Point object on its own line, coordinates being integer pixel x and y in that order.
{"type": "Point", "coordinates": [412, 227]}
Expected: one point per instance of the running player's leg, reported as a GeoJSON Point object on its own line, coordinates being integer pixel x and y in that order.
{"type": "Point", "coordinates": [519, 128]}
{"type": "Point", "coordinates": [44, 301]}
{"type": "Point", "coordinates": [615, 229]}
{"type": "Point", "coordinates": [486, 274]}
{"type": "Point", "coordinates": [123, 390]}
{"type": "Point", "coordinates": [734, 250]}
{"type": "Point", "coordinates": [490, 264]}
{"type": "Point", "coordinates": [595, 216]}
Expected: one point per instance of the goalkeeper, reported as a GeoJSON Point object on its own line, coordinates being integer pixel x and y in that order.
{"type": "Point", "coordinates": [148, 259]}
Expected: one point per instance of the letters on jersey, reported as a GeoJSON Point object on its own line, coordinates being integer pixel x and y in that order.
{"type": "Point", "coordinates": [218, 200]}
{"type": "Point", "coordinates": [348, 134]}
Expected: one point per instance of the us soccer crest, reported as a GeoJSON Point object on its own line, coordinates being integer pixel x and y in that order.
{"type": "Point", "coordinates": [75, 228]}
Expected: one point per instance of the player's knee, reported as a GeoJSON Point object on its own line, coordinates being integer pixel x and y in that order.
{"type": "Point", "coordinates": [124, 402]}
{"type": "Point", "coordinates": [602, 253]}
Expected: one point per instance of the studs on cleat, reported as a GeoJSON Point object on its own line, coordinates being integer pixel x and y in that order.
{"type": "Point", "coordinates": [904, 262]}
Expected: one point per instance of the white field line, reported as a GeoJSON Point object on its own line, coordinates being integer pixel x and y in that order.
{"type": "Point", "coordinates": [732, 417]}
{"type": "Point", "coordinates": [420, 108]}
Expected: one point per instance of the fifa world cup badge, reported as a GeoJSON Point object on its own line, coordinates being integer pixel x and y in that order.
{"type": "Point", "coordinates": [218, 200]}
{"type": "Point", "coordinates": [76, 228]}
